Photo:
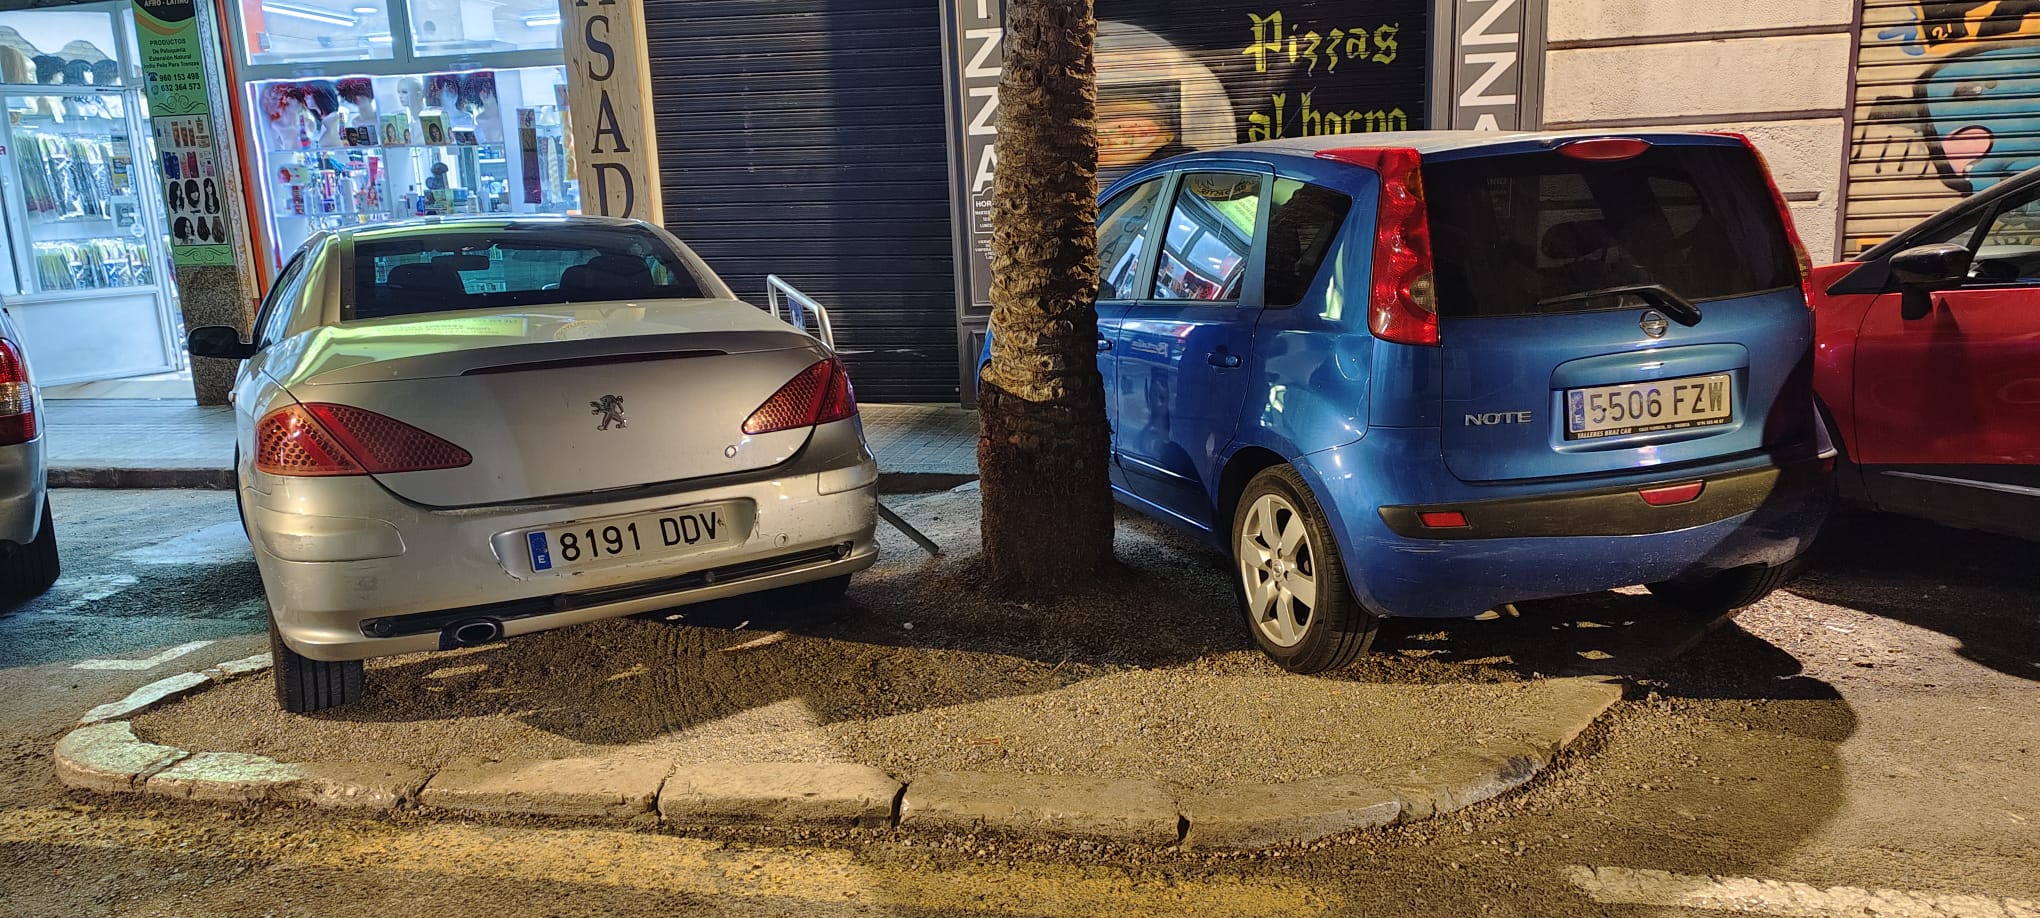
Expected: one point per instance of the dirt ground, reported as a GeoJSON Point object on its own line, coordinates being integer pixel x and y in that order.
{"type": "Point", "coordinates": [1149, 674]}
{"type": "Point", "coordinates": [1871, 727]}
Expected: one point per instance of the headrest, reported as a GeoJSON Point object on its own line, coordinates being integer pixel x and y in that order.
{"type": "Point", "coordinates": [1577, 239]}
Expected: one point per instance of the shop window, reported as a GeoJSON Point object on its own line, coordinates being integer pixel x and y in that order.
{"type": "Point", "coordinates": [59, 47]}
{"type": "Point", "coordinates": [448, 27]}
{"type": "Point", "coordinates": [296, 31]}
{"type": "Point", "coordinates": [347, 150]}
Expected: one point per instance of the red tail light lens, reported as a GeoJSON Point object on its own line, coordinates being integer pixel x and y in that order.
{"type": "Point", "coordinates": [820, 394]}
{"type": "Point", "coordinates": [17, 398]}
{"type": "Point", "coordinates": [317, 439]}
{"type": "Point", "coordinates": [1784, 216]}
{"type": "Point", "coordinates": [1404, 307]}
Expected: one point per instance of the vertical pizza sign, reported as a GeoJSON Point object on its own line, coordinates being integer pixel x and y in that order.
{"type": "Point", "coordinates": [181, 117]}
{"type": "Point", "coordinates": [609, 102]}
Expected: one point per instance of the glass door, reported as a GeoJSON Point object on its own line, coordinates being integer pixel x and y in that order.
{"type": "Point", "coordinates": [85, 235]}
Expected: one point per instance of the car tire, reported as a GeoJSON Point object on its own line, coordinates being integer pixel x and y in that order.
{"type": "Point", "coordinates": [30, 569]}
{"type": "Point", "coordinates": [304, 685]}
{"type": "Point", "coordinates": [1271, 580]}
{"type": "Point", "coordinates": [1723, 592]}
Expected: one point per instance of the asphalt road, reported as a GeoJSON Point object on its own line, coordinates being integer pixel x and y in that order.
{"type": "Point", "coordinates": [1862, 744]}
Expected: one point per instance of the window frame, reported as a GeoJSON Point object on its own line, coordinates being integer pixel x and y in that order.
{"type": "Point", "coordinates": [403, 60]}
{"type": "Point", "coordinates": [1257, 252]}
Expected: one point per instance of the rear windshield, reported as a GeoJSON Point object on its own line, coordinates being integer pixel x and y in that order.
{"type": "Point", "coordinates": [440, 270]}
{"type": "Point", "coordinates": [1516, 235]}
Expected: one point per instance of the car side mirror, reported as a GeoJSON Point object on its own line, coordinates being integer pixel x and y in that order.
{"type": "Point", "coordinates": [221, 341]}
{"type": "Point", "coordinates": [1921, 270]}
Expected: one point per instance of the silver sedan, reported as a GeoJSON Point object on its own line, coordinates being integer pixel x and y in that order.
{"type": "Point", "coordinates": [455, 431]}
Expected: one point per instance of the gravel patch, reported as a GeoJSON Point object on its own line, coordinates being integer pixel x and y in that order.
{"type": "Point", "coordinates": [1149, 674]}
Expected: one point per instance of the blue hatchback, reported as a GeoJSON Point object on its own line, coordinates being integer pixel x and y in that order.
{"type": "Point", "coordinates": [1454, 370]}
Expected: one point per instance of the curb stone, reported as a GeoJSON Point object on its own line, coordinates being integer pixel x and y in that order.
{"type": "Point", "coordinates": [104, 754]}
{"type": "Point", "coordinates": [614, 788]}
{"type": "Point", "coordinates": [1124, 809]}
{"type": "Point", "coordinates": [150, 695]}
{"type": "Point", "coordinates": [1264, 815]}
{"type": "Point", "coordinates": [833, 793]}
{"type": "Point", "coordinates": [109, 757]}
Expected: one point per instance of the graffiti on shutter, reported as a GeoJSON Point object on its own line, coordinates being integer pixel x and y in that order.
{"type": "Point", "coordinates": [1944, 108]}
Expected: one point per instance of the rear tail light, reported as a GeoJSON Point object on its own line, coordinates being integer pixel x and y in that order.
{"type": "Point", "coordinates": [1784, 216]}
{"type": "Point", "coordinates": [17, 397]}
{"type": "Point", "coordinates": [317, 440]}
{"type": "Point", "coordinates": [1403, 304]}
{"type": "Point", "coordinates": [820, 394]}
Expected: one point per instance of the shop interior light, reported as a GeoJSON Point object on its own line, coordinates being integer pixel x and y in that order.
{"type": "Point", "coordinates": [366, 10]}
{"type": "Point", "coordinates": [309, 14]}
{"type": "Point", "coordinates": [540, 20]}
{"type": "Point", "coordinates": [381, 39]}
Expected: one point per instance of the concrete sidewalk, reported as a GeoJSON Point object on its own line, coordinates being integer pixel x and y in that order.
{"type": "Point", "coordinates": [163, 443]}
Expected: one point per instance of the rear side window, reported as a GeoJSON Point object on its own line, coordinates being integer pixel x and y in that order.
{"type": "Point", "coordinates": [1518, 234]}
{"type": "Point", "coordinates": [1303, 221]}
{"type": "Point", "coordinates": [438, 270]}
{"type": "Point", "coordinates": [1210, 233]}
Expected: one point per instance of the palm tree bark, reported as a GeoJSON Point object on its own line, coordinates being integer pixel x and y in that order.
{"type": "Point", "coordinates": [1042, 446]}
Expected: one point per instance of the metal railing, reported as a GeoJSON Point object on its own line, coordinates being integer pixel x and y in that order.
{"type": "Point", "coordinates": [798, 305]}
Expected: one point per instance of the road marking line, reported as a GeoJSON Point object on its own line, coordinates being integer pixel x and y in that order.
{"type": "Point", "coordinates": [1624, 886]}
{"type": "Point", "coordinates": [91, 588]}
{"type": "Point", "coordinates": [146, 663]}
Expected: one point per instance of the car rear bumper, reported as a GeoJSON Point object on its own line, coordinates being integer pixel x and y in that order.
{"type": "Point", "coordinates": [1552, 541]}
{"type": "Point", "coordinates": [372, 575]}
{"type": "Point", "coordinates": [22, 480]}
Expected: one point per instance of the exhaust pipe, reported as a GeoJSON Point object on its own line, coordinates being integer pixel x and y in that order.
{"type": "Point", "coordinates": [470, 633]}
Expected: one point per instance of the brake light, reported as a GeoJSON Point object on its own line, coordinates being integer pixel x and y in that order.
{"type": "Point", "coordinates": [1784, 215]}
{"type": "Point", "coordinates": [320, 440]}
{"type": "Point", "coordinates": [1403, 305]}
{"type": "Point", "coordinates": [17, 397]}
{"type": "Point", "coordinates": [1604, 149]}
{"type": "Point", "coordinates": [1442, 519]}
{"type": "Point", "coordinates": [819, 395]}
{"type": "Point", "coordinates": [1670, 495]}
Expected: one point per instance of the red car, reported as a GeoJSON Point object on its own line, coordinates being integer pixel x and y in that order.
{"type": "Point", "coordinates": [1927, 365]}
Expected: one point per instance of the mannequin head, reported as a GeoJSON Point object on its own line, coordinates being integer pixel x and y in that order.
{"type": "Point", "coordinates": [411, 94]}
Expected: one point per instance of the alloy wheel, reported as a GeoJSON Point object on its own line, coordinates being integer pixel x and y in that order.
{"type": "Point", "coordinates": [1278, 570]}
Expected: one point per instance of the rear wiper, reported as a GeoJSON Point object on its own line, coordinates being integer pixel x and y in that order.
{"type": "Point", "coordinates": [1676, 307]}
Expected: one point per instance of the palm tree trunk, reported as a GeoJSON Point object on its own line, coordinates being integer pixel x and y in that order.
{"type": "Point", "coordinates": [1042, 442]}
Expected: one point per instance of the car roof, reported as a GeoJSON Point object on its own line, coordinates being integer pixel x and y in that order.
{"type": "Point", "coordinates": [1434, 142]}
{"type": "Point", "coordinates": [429, 225]}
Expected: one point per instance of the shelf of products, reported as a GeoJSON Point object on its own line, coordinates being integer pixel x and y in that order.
{"type": "Point", "coordinates": [79, 202]}
{"type": "Point", "coordinates": [474, 142]}
{"type": "Point", "coordinates": [98, 264]}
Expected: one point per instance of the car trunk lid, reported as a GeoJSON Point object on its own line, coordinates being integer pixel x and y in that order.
{"type": "Point", "coordinates": [568, 401]}
{"type": "Point", "coordinates": [1628, 304]}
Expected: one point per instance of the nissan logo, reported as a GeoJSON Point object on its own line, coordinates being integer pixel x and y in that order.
{"type": "Point", "coordinates": [1653, 323]}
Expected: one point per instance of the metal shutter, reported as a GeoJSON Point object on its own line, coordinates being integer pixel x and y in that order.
{"type": "Point", "coordinates": [804, 138]}
{"type": "Point", "coordinates": [1944, 108]}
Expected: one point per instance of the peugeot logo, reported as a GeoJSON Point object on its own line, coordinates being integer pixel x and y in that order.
{"type": "Point", "coordinates": [610, 407]}
{"type": "Point", "coordinates": [1653, 323]}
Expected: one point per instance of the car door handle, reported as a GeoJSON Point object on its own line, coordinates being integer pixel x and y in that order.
{"type": "Point", "coordinates": [1104, 344]}
{"type": "Point", "coordinates": [1223, 359]}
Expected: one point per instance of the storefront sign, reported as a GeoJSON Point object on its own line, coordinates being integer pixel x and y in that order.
{"type": "Point", "coordinates": [1496, 47]}
{"type": "Point", "coordinates": [609, 101]}
{"type": "Point", "coordinates": [1180, 76]}
{"type": "Point", "coordinates": [173, 64]}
